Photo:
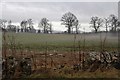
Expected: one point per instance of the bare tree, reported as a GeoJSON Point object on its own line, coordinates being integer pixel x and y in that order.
{"type": "Point", "coordinates": [96, 23]}
{"type": "Point", "coordinates": [76, 26]}
{"type": "Point", "coordinates": [11, 27]}
{"type": "Point", "coordinates": [24, 25]}
{"type": "Point", "coordinates": [30, 23]}
{"type": "Point", "coordinates": [9, 24]}
{"type": "Point", "coordinates": [99, 23]}
{"type": "Point", "coordinates": [69, 20]}
{"type": "Point", "coordinates": [50, 27]}
{"type": "Point", "coordinates": [106, 23]}
{"type": "Point", "coordinates": [114, 22]}
{"type": "Point", "coordinates": [44, 23]}
{"type": "Point", "coordinates": [3, 23]}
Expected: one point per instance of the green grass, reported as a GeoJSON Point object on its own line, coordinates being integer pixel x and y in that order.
{"type": "Point", "coordinates": [63, 41]}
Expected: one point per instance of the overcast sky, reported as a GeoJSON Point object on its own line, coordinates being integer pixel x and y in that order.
{"type": "Point", "coordinates": [18, 11]}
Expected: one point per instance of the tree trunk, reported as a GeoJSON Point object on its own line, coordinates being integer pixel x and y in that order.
{"type": "Point", "coordinates": [95, 27]}
{"type": "Point", "coordinates": [96, 30]}
{"type": "Point", "coordinates": [25, 28]}
{"type": "Point", "coordinates": [106, 28]}
{"type": "Point", "coordinates": [115, 28]}
{"type": "Point", "coordinates": [69, 29]}
{"type": "Point", "coordinates": [44, 30]}
{"type": "Point", "coordinates": [76, 30]}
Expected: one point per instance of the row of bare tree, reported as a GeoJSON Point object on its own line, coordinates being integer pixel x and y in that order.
{"type": "Point", "coordinates": [70, 21]}
{"type": "Point", "coordinates": [112, 22]}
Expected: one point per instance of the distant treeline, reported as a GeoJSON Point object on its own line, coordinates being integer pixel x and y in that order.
{"type": "Point", "coordinates": [111, 24]}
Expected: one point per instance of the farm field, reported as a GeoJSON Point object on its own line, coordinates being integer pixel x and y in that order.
{"type": "Point", "coordinates": [65, 41]}
{"type": "Point", "coordinates": [63, 55]}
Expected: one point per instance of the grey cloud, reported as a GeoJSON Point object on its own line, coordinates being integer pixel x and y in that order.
{"type": "Point", "coordinates": [18, 11]}
{"type": "Point", "coordinates": [61, 0]}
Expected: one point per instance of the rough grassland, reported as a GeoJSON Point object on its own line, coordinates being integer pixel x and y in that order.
{"type": "Point", "coordinates": [61, 41]}
{"type": "Point", "coordinates": [66, 42]}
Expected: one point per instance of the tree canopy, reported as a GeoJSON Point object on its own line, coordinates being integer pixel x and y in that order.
{"type": "Point", "coordinates": [69, 20]}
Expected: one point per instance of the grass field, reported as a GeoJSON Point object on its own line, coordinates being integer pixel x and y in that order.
{"type": "Point", "coordinates": [64, 41]}
{"type": "Point", "coordinates": [41, 54]}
